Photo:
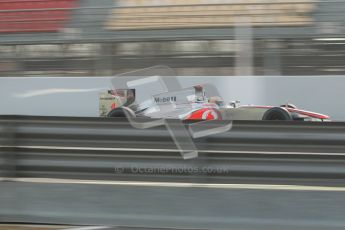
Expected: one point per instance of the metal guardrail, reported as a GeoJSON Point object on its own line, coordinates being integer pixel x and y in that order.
{"type": "Point", "coordinates": [98, 148]}
{"type": "Point", "coordinates": [94, 171]}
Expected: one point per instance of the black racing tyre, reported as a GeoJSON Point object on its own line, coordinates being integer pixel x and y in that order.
{"type": "Point", "coordinates": [277, 114]}
{"type": "Point", "coordinates": [292, 106]}
{"type": "Point", "coordinates": [121, 112]}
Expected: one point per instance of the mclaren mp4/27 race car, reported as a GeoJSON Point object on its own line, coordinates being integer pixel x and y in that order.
{"type": "Point", "coordinates": [192, 104]}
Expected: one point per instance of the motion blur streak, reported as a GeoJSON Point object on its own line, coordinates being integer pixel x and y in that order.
{"type": "Point", "coordinates": [89, 228]}
{"type": "Point", "coordinates": [43, 92]}
{"type": "Point", "coordinates": [170, 150]}
{"type": "Point", "coordinates": [182, 185]}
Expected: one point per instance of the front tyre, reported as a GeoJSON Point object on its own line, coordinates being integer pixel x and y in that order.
{"type": "Point", "coordinates": [277, 114]}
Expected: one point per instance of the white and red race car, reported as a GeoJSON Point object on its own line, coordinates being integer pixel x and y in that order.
{"type": "Point", "coordinates": [192, 104]}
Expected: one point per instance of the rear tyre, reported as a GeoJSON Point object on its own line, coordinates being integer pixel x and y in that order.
{"type": "Point", "coordinates": [121, 112]}
{"type": "Point", "coordinates": [277, 114]}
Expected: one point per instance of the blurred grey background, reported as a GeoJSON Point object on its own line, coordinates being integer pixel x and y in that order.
{"type": "Point", "coordinates": [196, 38]}
{"type": "Point", "coordinates": [297, 45]}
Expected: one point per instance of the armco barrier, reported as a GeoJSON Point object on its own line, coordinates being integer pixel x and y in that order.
{"type": "Point", "coordinates": [92, 171]}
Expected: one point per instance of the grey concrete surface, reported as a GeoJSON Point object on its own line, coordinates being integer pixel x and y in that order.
{"type": "Point", "coordinates": [175, 207]}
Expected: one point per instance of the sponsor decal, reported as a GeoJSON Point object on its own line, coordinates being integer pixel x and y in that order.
{"type": "Point", "coordinates": [210, 115]}
{"type": "Point", "coordinates": [165, 99]}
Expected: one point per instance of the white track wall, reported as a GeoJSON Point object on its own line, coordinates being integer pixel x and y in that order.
{"type": "Point", "coordinates": [63, 96]}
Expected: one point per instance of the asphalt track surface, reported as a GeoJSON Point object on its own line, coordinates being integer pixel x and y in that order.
{"type": "Point", "coordinates": [174, 205]}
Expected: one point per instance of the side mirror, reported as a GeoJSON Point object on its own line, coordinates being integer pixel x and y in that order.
{"type": "Point", "coordinates": [234, 104]}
